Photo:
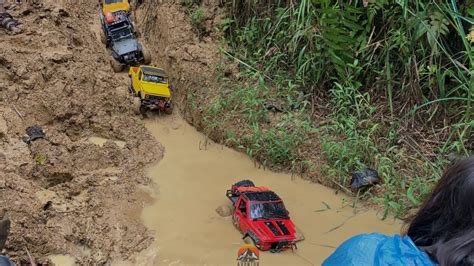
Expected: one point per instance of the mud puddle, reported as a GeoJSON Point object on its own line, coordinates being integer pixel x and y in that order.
{"type": "Point", "coordinates": [101, 141]}
{"type": "Point", "coordinates": [191, 182]}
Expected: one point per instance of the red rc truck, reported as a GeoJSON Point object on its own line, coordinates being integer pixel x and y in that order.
{"type": "Point", "coordinates": [262, 217]}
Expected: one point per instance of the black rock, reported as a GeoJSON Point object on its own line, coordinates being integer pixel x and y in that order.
{"type": "Point", "coordinates": [34, 133]}
{"type": "Point", "coordinates": [364, 178]}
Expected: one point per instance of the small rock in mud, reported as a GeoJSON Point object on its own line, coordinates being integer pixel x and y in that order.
{"type": "Point", "coordinates": [364, 178]}
{"type": "Point", "coordinates": [175, 126]}
{"type": "Point", "coordinates": [224, 210]}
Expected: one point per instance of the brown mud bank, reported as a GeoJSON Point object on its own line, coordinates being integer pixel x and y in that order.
{"type": "Point", "coordinates": [69, 193]}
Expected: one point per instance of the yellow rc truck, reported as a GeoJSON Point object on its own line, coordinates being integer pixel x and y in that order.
{"type": "Point", "coordinates": [151, 86]}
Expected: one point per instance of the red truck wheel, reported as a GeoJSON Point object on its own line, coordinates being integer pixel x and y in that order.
{"type": "Point", "coordinates": [249, 240]}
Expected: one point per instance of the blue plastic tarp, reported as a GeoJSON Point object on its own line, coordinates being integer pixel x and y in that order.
{"type": "Point", "coordinates": [377, 250]}
{"type": "Point", "coordinates": [5, 261]}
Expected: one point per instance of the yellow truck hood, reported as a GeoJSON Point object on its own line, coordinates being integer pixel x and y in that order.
{"type": "Point", "coordinates": [156, 89]}
{"type": "Point", "coordinates": [110, 8]}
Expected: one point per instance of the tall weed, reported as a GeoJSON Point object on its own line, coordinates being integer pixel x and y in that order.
{"type": "Point", "coordinates": [386, 70]}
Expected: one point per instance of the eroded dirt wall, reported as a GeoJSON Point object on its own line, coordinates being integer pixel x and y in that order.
{"type": "Point", "coordinates": [190, 58]}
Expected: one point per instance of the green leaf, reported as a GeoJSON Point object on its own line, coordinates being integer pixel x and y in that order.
{"type": "Point", "coordinates": [421, 29]}
{"type": "Point", "coordinates": [411, 196]}
{"type": "Point", "coordinates": [470, 11]}
{"type": "Point", "coordinates": [395, 206]}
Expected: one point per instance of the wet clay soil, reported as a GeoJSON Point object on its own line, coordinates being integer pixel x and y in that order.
{"type": "Point", "coordinates": [190, 182]}
{"type": "Point", "coordinates": [69, 193]}
{"type": "Point", "coordinates": [62, 260]}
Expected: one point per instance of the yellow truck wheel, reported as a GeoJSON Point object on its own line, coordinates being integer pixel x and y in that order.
{"type": "Point", "coordinates": [169, 110]}
{"type": "Point", "coordinates": [136, 105]}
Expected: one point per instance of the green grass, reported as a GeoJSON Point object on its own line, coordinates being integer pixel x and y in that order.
{"type": "Point", "coordinates": [407, 177]}
{"type": "Point", "coordinates": [40, 159]}
{"type": "Point", "coordinates": [271, 143]}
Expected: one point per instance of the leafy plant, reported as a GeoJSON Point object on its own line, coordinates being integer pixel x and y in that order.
{"type": "Point", "coordinates": [40, 159]}
{"type": "Point", "coordinates": [197, 19]}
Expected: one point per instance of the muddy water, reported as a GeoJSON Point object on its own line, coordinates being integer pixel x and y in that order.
{"type": "Point", "coordinates": [191, 182]}
{"type": "Point", "coordinates": [101, 141]}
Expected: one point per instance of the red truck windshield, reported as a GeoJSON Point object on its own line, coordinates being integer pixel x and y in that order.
{"type": "Point", "coordinates": [268, 210]}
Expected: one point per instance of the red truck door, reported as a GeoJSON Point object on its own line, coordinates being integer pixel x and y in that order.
{"type": "Point", "coordinates": [241, 215]}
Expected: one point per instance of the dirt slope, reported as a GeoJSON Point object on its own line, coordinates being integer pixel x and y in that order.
{"type": "Point", "coordinates": [56, 75]}
{"type": "Point", "coordinates": [191, 61]}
